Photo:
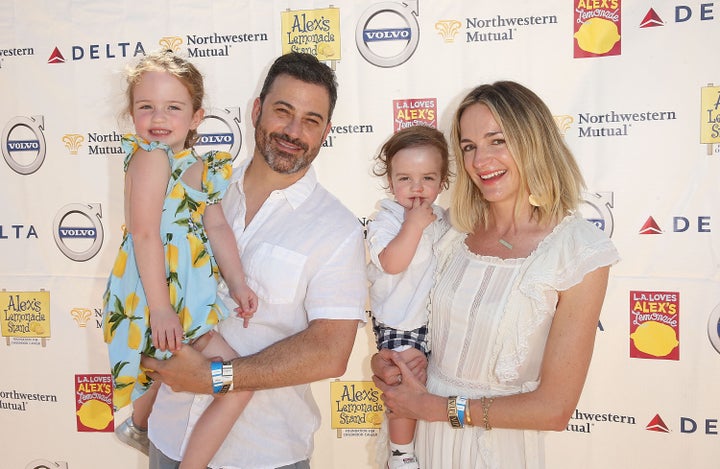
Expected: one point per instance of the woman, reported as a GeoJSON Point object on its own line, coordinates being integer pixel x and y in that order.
{"type": "Point", "coordinates": [520, 284]}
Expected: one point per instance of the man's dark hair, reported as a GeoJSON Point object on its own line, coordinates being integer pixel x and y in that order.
{"type": "Point", "coordinates": [304, 67]}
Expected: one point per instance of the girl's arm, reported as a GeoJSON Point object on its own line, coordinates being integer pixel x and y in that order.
{"type": "Point", "coordinates": [565, 364]}
{"type": "Point", "coordinates": [147, 178]}
{"type": "Point", "coordinates": [225, 250]}
{"type": "Point", "coordinates": [399, 252]}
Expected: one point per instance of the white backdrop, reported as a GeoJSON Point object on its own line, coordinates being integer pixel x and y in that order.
{"type": "Point", "coordinates": [624, 79]}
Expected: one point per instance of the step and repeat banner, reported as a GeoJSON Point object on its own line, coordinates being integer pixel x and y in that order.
{"type": "Point", "coordinates": [634, 86]}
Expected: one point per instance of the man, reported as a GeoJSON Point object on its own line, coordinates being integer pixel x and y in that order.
{"type": "Point", "coordinates": [304, 256]}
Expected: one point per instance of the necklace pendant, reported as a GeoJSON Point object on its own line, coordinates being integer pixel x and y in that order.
{"type": "Point", "coordinates": [505, 243]}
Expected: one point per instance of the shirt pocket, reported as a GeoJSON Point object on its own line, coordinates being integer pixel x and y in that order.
{"type": "Point", "coordinates": [274, 273]}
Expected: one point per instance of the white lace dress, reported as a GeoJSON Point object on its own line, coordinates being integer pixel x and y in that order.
{"type": "Point", "coordinates": [489, 324]}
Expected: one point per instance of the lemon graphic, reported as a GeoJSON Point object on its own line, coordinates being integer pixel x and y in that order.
{"type": "Point", "coordinates": [123, 391]}
{"type": "Point", "coordinates": [374, 418]}
{"type": "Point", "coordinates": [597, 35]}
{"type": "Point", "coordinates": [654, 338]}
{"type": "Point", "coordinates": [325, 49]}
{"type": "Point", "coordinates": [37, 328]}
{"type": "Point", "coordinates": [95, 414]}
{"type": "Point", "coordinates": [120, 262]}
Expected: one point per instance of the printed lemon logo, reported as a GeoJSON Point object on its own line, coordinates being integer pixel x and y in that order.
{"type": "Point", "coordinates": [654, 338]}
{"type": "Point", "coordinates": [37, 328]}
{"type": "Point", "coordinates": [325, 49]}
{"type": "Point", "coordinates": [95, 414]}
{"type": "Point", "coordinates": [597, 35]}
{"type": "Point", "coordinates": [374, 418]}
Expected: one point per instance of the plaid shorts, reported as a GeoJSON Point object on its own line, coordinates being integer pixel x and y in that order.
{"type": "Point", "coordinates": [387, 337]}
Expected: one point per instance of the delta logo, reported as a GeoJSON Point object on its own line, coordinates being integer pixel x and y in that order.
{"type": "Point", "coordinates": [657, 424]}
{"type": "Point", "coordinates": [655, 325]}
{"type": "Point", "coordinates": [597, 28]}
{"type": "Point", "coordinates": [681, 14]}
{"type": "Point", "coordinates": [680, 224]}
{"type": "Point", "coordinates": [98, 51]}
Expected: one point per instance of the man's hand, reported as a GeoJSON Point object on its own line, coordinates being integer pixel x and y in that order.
{"type": "Point", "coordinates": [187, 370]}
{"type": "Point", "coordinates": [384, 367]}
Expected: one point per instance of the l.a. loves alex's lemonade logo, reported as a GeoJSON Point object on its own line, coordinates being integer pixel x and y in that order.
{"type": "Point", "coordinates": [654, 325]}
{"type": "Point", "coordinates": [93, 403]}
{"type": "Point", "coordinates": [597, 28]}
{"type": "Point", "coordinates": [25, 316]}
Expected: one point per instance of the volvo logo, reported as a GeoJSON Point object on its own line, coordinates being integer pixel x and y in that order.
{"type": "Point", "coordinates": [23, 144]}
{"type": "Point", "coordinates": [220, 130]}
{"type": "Point", "coordinates": [393, 42]}
{"type": "Point", "coordinates": [595, 208]}
{"type": "Point", "coordinates": [78, 231]}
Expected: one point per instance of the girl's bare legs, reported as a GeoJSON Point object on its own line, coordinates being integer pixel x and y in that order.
{"type": "Point", "coordinates": [143, 405]}
{"type": "Point", "coordinates": [216, 421]}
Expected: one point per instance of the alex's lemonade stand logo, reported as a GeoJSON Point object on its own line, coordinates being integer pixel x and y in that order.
{"type": "Point", "coordinates": [655, 325]}
{"type": "Point", "coordinates": [355, 404]}
{"type": "Point", "coordinates": [25, 316]}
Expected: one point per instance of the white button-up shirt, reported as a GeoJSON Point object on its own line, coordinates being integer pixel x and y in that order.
{"type": "Point", "coordinates": [303, 255]}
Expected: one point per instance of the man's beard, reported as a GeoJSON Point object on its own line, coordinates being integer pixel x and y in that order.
{"type": "Point", "coordinates": [280, 161]}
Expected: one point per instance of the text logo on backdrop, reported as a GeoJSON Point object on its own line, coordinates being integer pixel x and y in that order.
{"type": "Point", "coordinates": [710, 117]}
{"type": "Point", "coordinates": [595, 208]}
{"type": "Point", "coordinates": [45, 464]}
{"type": "Point", "coordinates": [23, 144]}
{"type": "Point", "coordinates": [384, 41]}
{"type": "Point", "coordinates": [25, 317]}
{"type": "Point", "coordinates": [713, 328]}
{"type": "Point", "coordinates": [448, 29]}
{"type": "Point", "coordinates": [214, 44]}
{"type": "Point", "coordinates": [597, 28]}
{"type": "Point", "coordinates": [655, 325]}
{"type": "Point", "coordinates": [497, 27]}
{"type": "Point", "coordinates": [220, 130]}
{"type": "Point", "coordinates": [617, 123]}
{"type": "Point", "coordinates": [409, 112]}
{"type": "Point", "coordinates": [315, 32]}
{"type": "Point", "coordinates": [108, 50]}
{"type": "Point", "coordinates": [679, 225]}
{"type": "Point", "coordinates": [355, 408]}
{"type": "Point", "coordinates": [681, 14]}
{"type": "Point", "coordinates": [94, 403]}
{"type": "Point", "coordinates": [583, 422]}
{"type": "Point", "coordinates": [78, 231]}
{"type": "Point", "coordinates": [12, 52]}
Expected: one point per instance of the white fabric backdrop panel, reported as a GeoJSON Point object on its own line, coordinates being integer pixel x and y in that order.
{"type": "Point", "coordinates": [633, 119]}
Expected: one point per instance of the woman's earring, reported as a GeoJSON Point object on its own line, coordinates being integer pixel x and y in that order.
{"type": "Point", "coordinates": [533, 201]}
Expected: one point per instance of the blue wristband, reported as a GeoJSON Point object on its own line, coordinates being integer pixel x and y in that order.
{"type": "Point", "coordinates": [216, 373]}
{"type": "Point", "coordinates": [461, 403]}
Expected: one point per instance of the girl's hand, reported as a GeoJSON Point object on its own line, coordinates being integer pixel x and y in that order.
{"type": "Point", "coordinates": [247, 303]}
{"type": "Point", "coordinates": [384, 367]}
{"type": "Point", "coordinates": [167, 332]}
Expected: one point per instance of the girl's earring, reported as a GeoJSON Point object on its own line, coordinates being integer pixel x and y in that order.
{"type": "Point", "coordinates": [533, 201]}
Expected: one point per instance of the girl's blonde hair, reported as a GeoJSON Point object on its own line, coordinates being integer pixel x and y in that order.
{"type": "Point", "coordinates": [167, 61]}
{"type": "Point", "coordinates": [546, 165]}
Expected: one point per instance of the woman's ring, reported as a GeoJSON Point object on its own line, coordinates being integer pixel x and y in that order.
{"type": "Point", "coordinates": [399, 379]}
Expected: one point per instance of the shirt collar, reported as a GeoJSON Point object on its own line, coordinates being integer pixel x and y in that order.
{"type": "Point", "coordinates": [295, 194]}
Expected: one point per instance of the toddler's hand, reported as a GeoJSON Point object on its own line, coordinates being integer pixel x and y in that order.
{"type": "Point", "coordinates": [420, 215]}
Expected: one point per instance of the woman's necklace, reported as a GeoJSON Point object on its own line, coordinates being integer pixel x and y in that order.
{"type": "Point", "coordinates": [505, 243]}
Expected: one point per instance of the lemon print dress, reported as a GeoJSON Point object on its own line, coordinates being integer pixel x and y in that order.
{"type": "Point", "coordinates": [488, 328]}
{"type": "Point", "coordinates": [192, 273]}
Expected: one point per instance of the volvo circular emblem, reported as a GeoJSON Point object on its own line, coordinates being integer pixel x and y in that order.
{"type": "Point", "coordinates": [220, 130]}
{"type": "Point", "coordinates": [78, 231]}
{"type": "Point", "coordinates": [23, 144]}
{"type": "Point", "coordinates": [595, 208]}
{"type": "Point", "coordinates": [387, 32]}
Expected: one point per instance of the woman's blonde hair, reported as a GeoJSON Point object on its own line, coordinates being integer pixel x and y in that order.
{"type": "Point", "coordinates": [546, 165]}
{"type": "Point", "coordinates": [167, 61]}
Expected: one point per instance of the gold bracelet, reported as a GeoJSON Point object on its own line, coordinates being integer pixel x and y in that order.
{"type": "Point", "coordinates": [468, 420]}
{"type": "Point", "coordinates": [486, 402]}
{"type": "Point", "coordinates": [452, 412]}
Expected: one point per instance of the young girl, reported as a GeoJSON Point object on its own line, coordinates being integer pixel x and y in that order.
{"type": "Point", "coordinates": [415, 162]}
{"type": "Point", "coordinates": [162, 290]}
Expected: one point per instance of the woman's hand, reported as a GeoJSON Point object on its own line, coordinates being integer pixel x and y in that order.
{"type": "Point", "coordinates": [383, 367]}
{"type": "Point", "coordinates": [406, 396]}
